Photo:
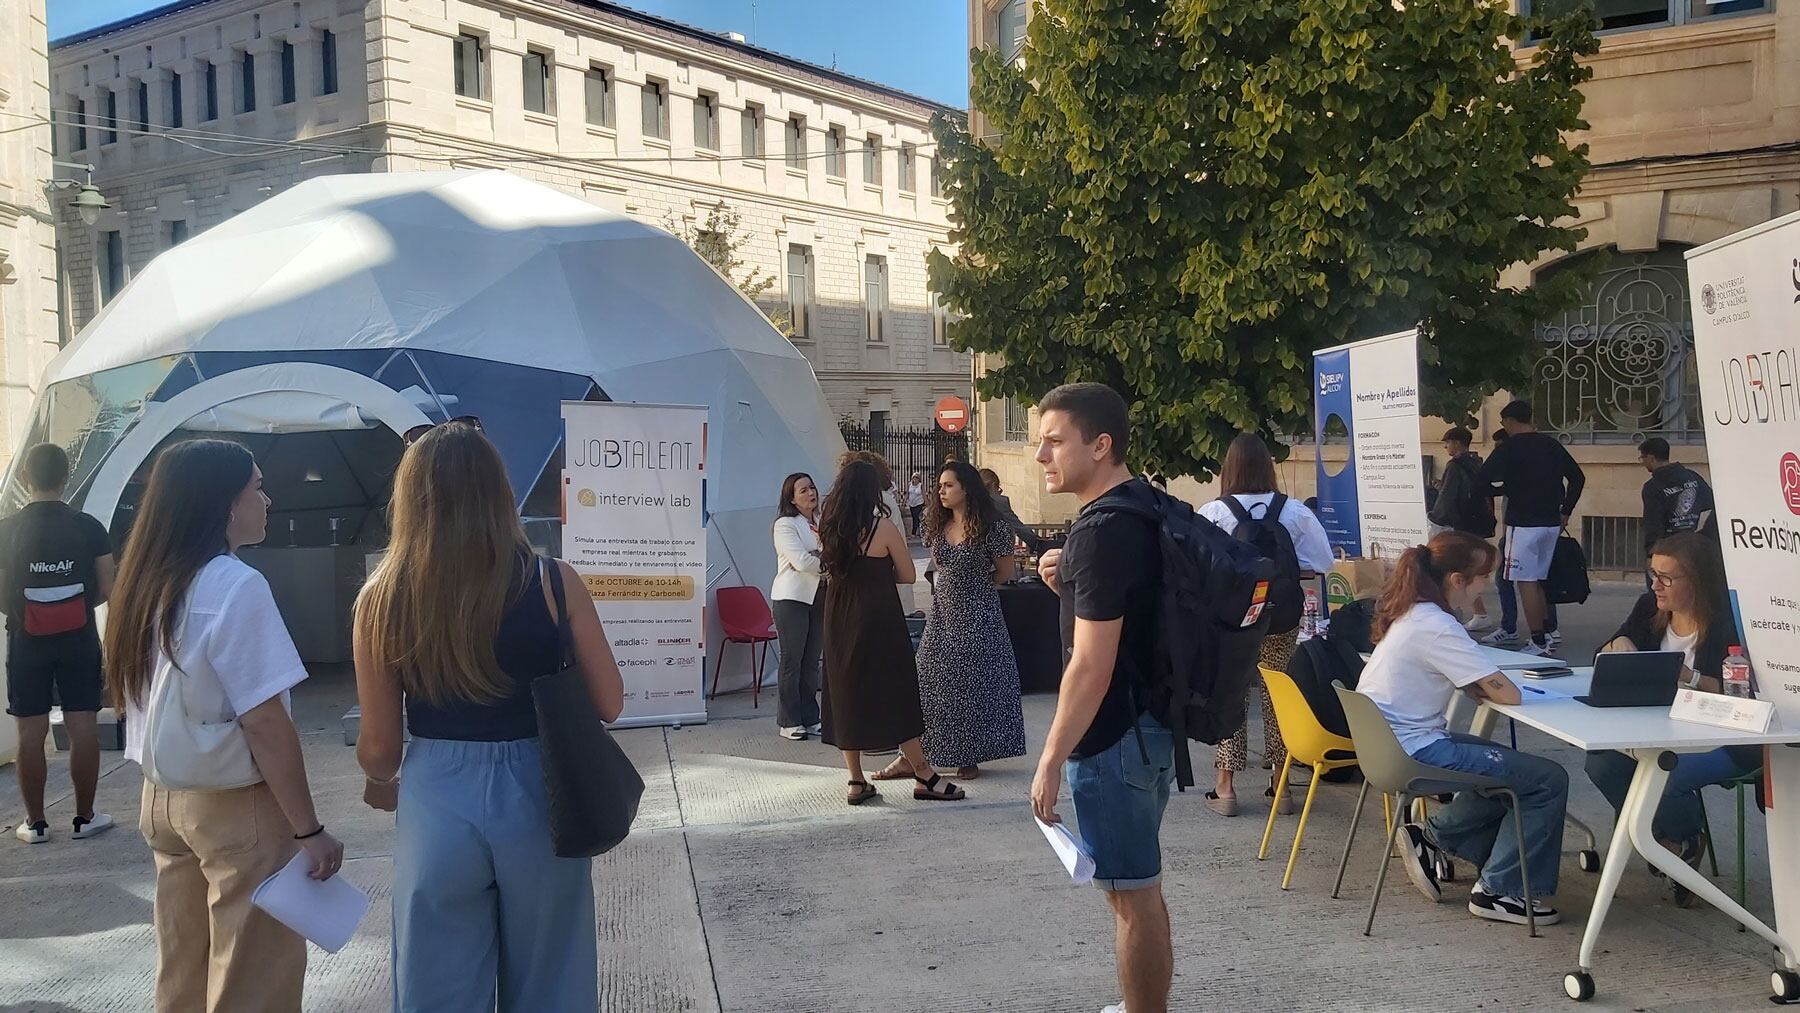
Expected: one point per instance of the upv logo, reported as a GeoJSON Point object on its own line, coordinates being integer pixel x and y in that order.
{"type": "Point", "coordinates": [1790, 482]}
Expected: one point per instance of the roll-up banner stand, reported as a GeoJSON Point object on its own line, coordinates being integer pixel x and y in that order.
{"type": "Point", "coordinates": [1746, 298]}
{"type": "Point", "coordinates": [1367, 394]}
{"type": "Point", "coordinates": [633, 488]}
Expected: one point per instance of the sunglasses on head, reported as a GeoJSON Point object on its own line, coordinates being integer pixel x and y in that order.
{"type": "Point", "coordinates": [416, 433]}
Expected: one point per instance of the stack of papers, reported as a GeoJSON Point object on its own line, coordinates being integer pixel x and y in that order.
{"type": "Point", "coordinates": [326, 913]}
{"type": "Point", "coordinates": [1071, 850]}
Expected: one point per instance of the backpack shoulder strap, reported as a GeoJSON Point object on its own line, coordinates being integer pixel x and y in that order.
{"type": "Point", "coordinates": [1276, 506]}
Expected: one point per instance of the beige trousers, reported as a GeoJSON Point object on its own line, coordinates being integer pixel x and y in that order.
{"type": "Point", "coordinates": [215, 952]}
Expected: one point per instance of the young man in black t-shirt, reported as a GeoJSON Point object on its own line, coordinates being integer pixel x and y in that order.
{"type": "Point", "coordinates": [1676, 498]}
{"type": "Point", "coordinates": [1108, 575]}
{"type": "Point", "coordinates": [56, 565]}
{"type": "Point", "coordinates": [1541, 483]}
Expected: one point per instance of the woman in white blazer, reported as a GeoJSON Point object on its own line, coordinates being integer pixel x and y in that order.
{"type": "Point", "coordinates": [799, 607]}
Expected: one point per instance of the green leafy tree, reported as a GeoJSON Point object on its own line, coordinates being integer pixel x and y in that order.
{"type": "Point", "coordinates": [720, 241]}
{"type": "Point", "coordinates": [1184, 198]}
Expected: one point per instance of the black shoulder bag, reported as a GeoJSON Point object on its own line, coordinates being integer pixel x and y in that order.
{"type": "Point", "coordinates": [591, 784]}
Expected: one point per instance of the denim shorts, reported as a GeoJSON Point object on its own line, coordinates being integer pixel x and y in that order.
{"type": "Point", "coordinates": [1119, 803]}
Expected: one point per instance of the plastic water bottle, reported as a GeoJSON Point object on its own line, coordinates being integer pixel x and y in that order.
{"type": "Point", "coordinates": [1309, 616]}
{"type": "Point", "coordinates": [1737, 673]}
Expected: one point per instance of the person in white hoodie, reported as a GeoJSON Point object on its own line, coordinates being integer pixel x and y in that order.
{"type": "Point", "coordinates": [798, 606]}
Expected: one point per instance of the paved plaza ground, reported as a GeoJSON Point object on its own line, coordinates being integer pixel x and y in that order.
{"type": "Point", "coordinates": [749, 885]}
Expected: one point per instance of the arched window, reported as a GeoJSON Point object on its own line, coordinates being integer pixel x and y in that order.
{"type": "Point", "coordinates": [1620, 366]}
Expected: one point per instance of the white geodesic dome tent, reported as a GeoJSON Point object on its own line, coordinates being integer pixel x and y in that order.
{"type": "Point", "coordinates": [334, 316]}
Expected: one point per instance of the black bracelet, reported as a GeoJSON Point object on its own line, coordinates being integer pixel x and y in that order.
{"type": "Point", "coordinates": [315, 833]}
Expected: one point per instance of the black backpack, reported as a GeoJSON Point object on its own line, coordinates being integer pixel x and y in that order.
{"type": "Point", "coordinates": [1475, 511]}
{"type": "Point", "coordinates": [1272, 541]}
{"type": "Point", "coordinates": [1212, 614]}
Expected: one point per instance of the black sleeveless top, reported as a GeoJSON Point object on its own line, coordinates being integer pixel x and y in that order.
{"type": "Point", "coordinates": [526, 647]}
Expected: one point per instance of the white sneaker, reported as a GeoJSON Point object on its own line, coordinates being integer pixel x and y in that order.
{"type": "Point", "coordinates": [1420, 858]}
{"type": "Point", "coordinates": [816, 729]}
{"type": "Point", "coordinates": [1537, 651]}
{"type": "Point", "coordinates": [1502, 638]}
{"type": "Point", "coordinates": [1482, 624]}
{"type": "Point", "coordinates": [100, 824]}
{"type": "Point", "coordinates": [1117, 1007]}
{"type": "Point", "coordinates": [795, 732]}
{"type": "Point", "coordinates": [33, 833]}
{"type": "Point", "coordinates": [1553, 640]}
{"type": "Point", "coordinates": [1509, 909]}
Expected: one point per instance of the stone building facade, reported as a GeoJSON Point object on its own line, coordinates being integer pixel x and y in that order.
{"type": "Point", "coordinates": [199, 110]}
{"type": "Point", "coordinates": [28, 317]}
{"type": "Point", "coordinates": [1694, 134]}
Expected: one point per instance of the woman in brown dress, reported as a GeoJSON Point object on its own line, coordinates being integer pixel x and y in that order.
{"type": "Point", "coordinates": [871, 698]}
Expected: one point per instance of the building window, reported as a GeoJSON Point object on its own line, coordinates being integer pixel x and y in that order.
{"type": "Point", "coordinates": [872, 160]}
{"type": "Point", "coordinates": [599, 87]}
{"type": "Point", "coordinates": [471, 66]}
{"type": "Point", "coordinates": [1623, 15]}
{"type": "Point", "coordinates": [175, 233]}
{"type": "Point", "coordinates": [247, 83]}
{"type": "Point", "coordinates": [112, 265]}
{"type": "Point", "coordinates": [796, 142]}
{"type": "Point", "coordinates": [940, 320]}
{"type": "Point", "coordinates": [289, 89]}
{"type": "Point", "coordinates": [799, 287]}
{"type": "Point", "coordinates": [328, 82]}
{"type": "Point", "coordinates": [111, 133]}
{"type": "Point", "coordinates": [538, 89]}
{"type": "Point", "coordinates": [143, 105]}
{"type": "Point", "coordinates": [78, 129]}
{"type": "Point", "coordinates": [656, 109]}
{"type": "Point", "coordinates": [1621, 366]}
{"type": "Point", "coordinates": [750, 130]}
{"type": "Point", "coordinates": [908, 168]}
{"type": "Point", "coordinates": [210, 101]}
{"type": "Point", "coordinates": [1018, 422]}
{"type": "Point", "coordinates": [175, 110]}
{"type": "Point", "coordinates": [875, 295]}
{"type": "Point", "coordinates": [834, 152]}
{"type": "Point", "coordinates": [706, 121]}
{"type": "Point", "coordinates": [936, 169]}
{"type": "Point", "coordinates": [1012, 29]}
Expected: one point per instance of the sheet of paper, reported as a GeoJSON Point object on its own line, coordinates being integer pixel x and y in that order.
{"type": "Point", "coordinates": [325, 912]}
{"type": "Point", "coordinates": [1540, 693]}
{"type": "Point", "coordinates": [1504, 659]}
{"type": "Point", "coordinates": [1070, 849]}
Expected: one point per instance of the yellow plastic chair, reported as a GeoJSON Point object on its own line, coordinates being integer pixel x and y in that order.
{"type": "Point", "coordinates": [1310, 743]}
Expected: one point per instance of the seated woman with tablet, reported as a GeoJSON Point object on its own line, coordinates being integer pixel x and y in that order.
{"type": "Point", "coordinates": [1422, 657]}
{"type": "Point", "coordinates": [1687, 610]}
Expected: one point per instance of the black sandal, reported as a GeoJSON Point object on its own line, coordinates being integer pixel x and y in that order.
{"type": "Point", "coordinates": [928, 791]}
{"type": "Point", "coordinates": [858, 798]}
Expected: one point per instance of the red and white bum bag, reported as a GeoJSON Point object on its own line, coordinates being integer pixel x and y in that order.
{"type": "Point", "coordinates": [53, 610]}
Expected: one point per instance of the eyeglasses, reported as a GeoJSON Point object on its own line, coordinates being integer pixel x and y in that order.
{"type": "Point", "coordinates": [1666, 579]}
{"type": "Point", "coordinates": [417, 433]}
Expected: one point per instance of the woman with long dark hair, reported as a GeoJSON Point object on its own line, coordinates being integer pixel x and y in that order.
{"type": "Point", "coordinates": [200, 660]}
{"type": "Point", "coordinates": [799, 608]}
{"type": "Point", "coordinates": [454, 624]}
{"type": "Point", "coordinates": [968, 678]}
{"type": "Point", "coordinates": [1689, 610]}
{"type": "Point", "coordinates": [1422, 657]}
{"type": "Point", "coordinates": [871, 684]}
{"type": "Point", "coordinates": [1249, 492]}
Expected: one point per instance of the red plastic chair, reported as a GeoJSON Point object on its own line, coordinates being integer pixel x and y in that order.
{"type": "Point", "coordinates": [745, 618]}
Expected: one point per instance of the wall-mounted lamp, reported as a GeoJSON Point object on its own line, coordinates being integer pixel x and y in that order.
{"type": "Point", "coordinates": [88, 201]}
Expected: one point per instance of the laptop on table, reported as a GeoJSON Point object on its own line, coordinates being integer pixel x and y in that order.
{"type": "Point", "coordinates": [1635, 679]}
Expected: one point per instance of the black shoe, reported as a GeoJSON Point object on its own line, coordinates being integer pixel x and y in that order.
{"type": "Point", "coordinates": [1421, 860]}
{"type": "Point", "coordinates": [1508, 909]}
{"type": "Point", "coordinates": [1690, 852]}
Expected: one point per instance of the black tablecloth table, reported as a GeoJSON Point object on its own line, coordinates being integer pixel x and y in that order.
{"type": "Point", "coordinates": [1034, 623]}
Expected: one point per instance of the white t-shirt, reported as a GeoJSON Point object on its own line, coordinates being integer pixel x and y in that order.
{"type": "Point", "coordinates": [1310, 541]}
{"type": "Point", "coordinates": [1419, 665]}
{"type": "Point", "coordinates": [233, 650]}
{"type": "Point", "coordinates": [915, 494]}
{"type": "Point", "coordinates": [1673, 641]}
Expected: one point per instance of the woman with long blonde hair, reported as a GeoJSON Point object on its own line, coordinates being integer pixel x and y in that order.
{"type": "Point", "coordinates": [456, 621]}
{"type": "Point", "coordinates": [201, 662]}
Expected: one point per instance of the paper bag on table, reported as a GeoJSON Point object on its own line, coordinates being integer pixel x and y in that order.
{"type": "Point", "coordinates": [1350, 579]}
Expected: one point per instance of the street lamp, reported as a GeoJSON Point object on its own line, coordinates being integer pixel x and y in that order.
{"type": "Point", "coordinates": [88, 201]}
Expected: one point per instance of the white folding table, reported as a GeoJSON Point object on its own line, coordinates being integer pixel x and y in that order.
{"type": "Point", "coordinates": [1648, 735]}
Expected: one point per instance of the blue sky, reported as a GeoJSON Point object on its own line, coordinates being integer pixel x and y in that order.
{"type": "Point", "coordinates": [920, 46]}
